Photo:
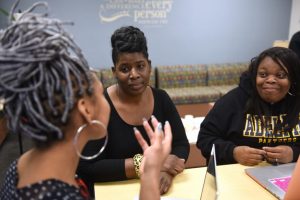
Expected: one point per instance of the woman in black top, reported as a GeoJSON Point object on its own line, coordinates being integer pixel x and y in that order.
{"type": "Point", "coordinates": [132, 100]}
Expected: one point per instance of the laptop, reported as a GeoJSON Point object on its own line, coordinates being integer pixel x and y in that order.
{"type": "Point", "coordinates": [274, 178]}
{"type": "Point", "coordinates": [210, 189]}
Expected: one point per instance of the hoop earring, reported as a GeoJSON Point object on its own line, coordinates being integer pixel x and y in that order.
{"type": "Point", "coordinates": [78, 132]}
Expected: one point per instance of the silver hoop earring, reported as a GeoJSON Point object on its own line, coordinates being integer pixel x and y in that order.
{"type": "Point", "coordinates": [75, 141]}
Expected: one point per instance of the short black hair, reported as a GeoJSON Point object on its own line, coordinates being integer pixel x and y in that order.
{"type": "Point", "coordinates": [128, 39]}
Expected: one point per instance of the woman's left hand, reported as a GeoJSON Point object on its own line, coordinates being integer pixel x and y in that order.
{"type": "Point", "coordinates": [165, 182]}
{"type": "Point", "coordinates": [279, 154]}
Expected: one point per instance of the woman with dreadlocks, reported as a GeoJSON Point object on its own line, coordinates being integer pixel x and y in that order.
{"type": "Point", "coordinates": [51, 95]}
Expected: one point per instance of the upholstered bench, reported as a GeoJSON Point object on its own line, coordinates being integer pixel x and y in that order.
{"type": "Point", "coordinates": [107, 77]}
{"type": "Point", "coordinates": [186, 84]}
{"type": "Point", "coordinates": [190, 84]}
{"type": "Point", "coordinates": [225, 77]}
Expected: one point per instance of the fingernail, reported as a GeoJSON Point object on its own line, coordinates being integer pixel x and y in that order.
{"type": "Point", "coordinates": [135, 129]}
{"type": "Point", "coordinates": [144, 119]}
{"type": "Point", "coordinates": [152, 117]}
{"type": "Point", "coordinates": [159, 127]}
{"type": "Point", "coordinates": [167, 122]}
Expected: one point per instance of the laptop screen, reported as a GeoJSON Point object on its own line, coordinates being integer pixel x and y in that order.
{"type": "Point", "coordinates": [209, 189]}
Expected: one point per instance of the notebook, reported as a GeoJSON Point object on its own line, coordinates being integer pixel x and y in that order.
{"type": "Point", "coordinates": [273, 178]}
{"type": "Point", "coordinates": [210, 189]}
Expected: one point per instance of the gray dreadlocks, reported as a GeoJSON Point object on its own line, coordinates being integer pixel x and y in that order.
{"type": "Point", "coordinates": [42, 72]}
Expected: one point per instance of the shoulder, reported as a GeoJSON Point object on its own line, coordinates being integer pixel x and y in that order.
{"type": "Point", "coordinates": [159, 93]}
{"type": "Point", "coordinates": [232, 102]}
{"type": "Point", "coordinates": [106, 91]}
{"type": "Point", "coordinates": [235, 96]}
{"type": "Point", "coordinates": [107, 94]}
{"type": "Point", "coordinates": [10, 182]}
{"type": "Point", "coordinates": [51, 189]}
{"type": "Point", "coordinates": [162, 99]}
{"type": "Point", "coordinates": [12, 172]}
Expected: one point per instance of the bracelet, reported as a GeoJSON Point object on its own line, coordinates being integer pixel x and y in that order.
{"type": "Point", "coordinates": [137, 160]}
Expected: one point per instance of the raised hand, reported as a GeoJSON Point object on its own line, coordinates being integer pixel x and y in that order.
{"type": "Point", "coordinates": [155, 155]}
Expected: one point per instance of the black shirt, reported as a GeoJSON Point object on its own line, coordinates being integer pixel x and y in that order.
{"type": "Point", "coordinates": [122, 144]}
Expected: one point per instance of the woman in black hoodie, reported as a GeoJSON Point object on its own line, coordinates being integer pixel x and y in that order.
{"type": "Point", "coordinates": [258, 120]}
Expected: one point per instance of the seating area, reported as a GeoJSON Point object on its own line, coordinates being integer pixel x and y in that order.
{"type": "Point", "coordinates": [190, 84]}
{"type": "Point", "coordinates": [193, 89]}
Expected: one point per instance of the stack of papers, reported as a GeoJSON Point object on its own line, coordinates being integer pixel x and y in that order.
{"type": "Point", "coordinates": [192, 126]}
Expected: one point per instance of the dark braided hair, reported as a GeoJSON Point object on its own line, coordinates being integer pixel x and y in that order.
{"type": "Point", "coordinates": [42, 73]}
{"type": "Point", "coordinates": [128, 39]}
{"type": "Point", "coordinates": [285, 58]}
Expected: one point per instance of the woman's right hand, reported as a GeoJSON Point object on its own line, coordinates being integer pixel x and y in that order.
{"type": "Point", "coordinates": [160, 146]}
{"type": "Point", "coordinates": [248, 156]}
{"type": "Point", "coordinates": [173, 165]}
{"type": "Point", "coordinates": [154, 156]}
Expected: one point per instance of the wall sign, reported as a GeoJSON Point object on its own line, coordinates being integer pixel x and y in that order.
{"type": "Point", "coordinates": [146, 12]}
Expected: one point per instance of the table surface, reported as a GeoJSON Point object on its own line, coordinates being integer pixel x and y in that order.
{"type": "Point", "coordinates": [233, 183]}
